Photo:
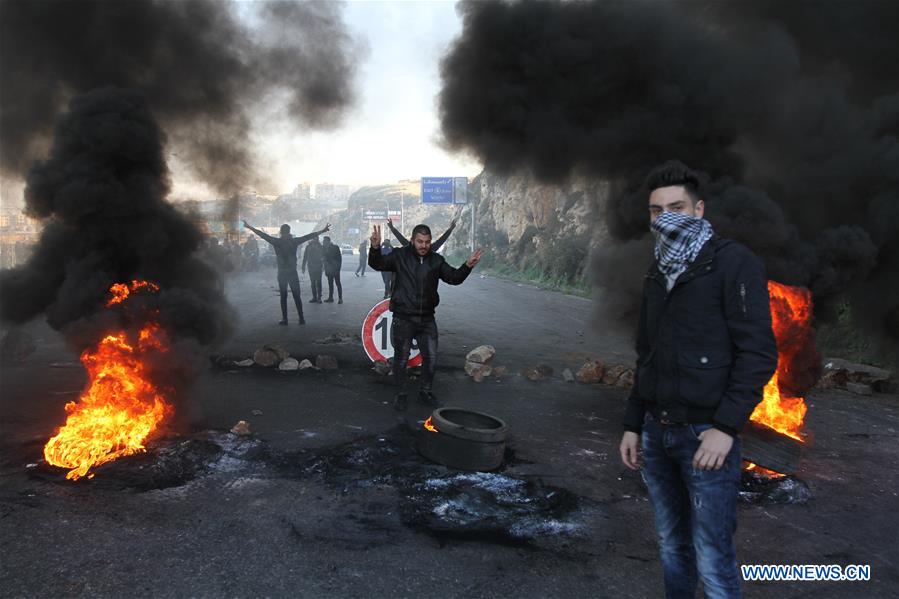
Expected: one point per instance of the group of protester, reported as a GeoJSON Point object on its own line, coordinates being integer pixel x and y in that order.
{"type": "Point", "coordinates": [229, 256]}
{"type": "Point", "coordinates": [318, 257]}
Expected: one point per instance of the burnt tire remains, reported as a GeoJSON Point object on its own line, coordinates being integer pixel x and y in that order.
{"type": "Point", "coordinates": [464, 439]}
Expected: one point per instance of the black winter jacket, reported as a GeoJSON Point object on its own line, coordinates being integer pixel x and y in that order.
{"type": "Point", "coordinates": [417, 277]}
{"type": "Point", "coordinates": [705, 349]}
{"type": "Point", "coordinates": [332, 258]}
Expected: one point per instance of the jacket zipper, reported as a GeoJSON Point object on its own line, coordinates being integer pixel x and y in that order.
{"type": "Point", "coordinates": [743, 298]}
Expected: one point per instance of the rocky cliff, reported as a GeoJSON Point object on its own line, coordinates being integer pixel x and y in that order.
{"type": "Point", "coordinates": [543, 230]}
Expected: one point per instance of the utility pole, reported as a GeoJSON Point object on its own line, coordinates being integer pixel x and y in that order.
{"type": "Point", "coordinates": [473, 206]}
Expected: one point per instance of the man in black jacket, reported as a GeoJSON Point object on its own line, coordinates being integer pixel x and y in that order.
{"type": "Point", "coordinates": [312, 258]}
{"type": "Point", "coordinates": [705, 351]}
{"type": "Point", "coordinates": [418, 271]}
{"type": "Point", "coordinates": [285, 248]}
{"type": "Point", "coordinates": [333, 260]}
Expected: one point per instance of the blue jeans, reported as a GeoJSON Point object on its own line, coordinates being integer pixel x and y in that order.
{"type": "Point", "coordinates": [695, 510]}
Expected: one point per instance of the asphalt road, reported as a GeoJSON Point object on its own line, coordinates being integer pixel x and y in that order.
{"type": "Point", "coordinates": [271, 525]}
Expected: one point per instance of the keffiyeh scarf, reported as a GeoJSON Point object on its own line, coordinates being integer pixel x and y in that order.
{"type": "Point", "coordinates": [679, 237]}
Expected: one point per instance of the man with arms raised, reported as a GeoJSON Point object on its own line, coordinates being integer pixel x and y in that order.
{"type": "Point", "coordinates": [417, 271]}
{"type": "Point", "coordinates": [286, 254]}
{"type": "Point", "coordinates": [705, 351]}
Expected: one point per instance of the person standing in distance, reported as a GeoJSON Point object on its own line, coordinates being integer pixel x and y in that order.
{"type": "Point", "coordinates": [386, 276]}
{"type": "Point", "coordinates": [333, 260]}
{"type": "Point", "coordinates": [286, 253]}
{"type": "Point", "coordinates": [705, 351]}
{"type": "Point", "coordinates": [417, 271]}
{"type": "Point", "coordinates": [312, 258]}
{"type": "Point", "coordinates": [363, 262]}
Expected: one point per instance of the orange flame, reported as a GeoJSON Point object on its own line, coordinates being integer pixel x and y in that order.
{"type": "Point", "coordinates": [750, 467]}
{"type": "Point", "coordinates": [120, 407]}
{"type": "Point", "coordinates": [121, 291]}
{"type": "Point", "coordinates": [791, 308]}
{"type": "Point", "coordinates": [429, 425]}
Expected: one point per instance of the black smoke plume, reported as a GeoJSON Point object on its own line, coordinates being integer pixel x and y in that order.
{"type": "Point", "coordinates": [792, 108]}
{"type": "Point", "coordinates": [101, 194]}
{"type": "Point", "coordinates": [201, 69]}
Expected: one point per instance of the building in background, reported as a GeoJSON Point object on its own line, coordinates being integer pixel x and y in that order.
{"type": "Point", "coordinates": [18, 234]}
{"type": "Point", "coordinates": [332, 193]}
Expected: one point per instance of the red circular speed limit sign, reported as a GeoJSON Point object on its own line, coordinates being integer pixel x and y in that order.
{"type": "Point", "coordinates": [376, 335]}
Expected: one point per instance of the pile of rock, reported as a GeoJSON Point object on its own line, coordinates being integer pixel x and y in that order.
{"type": "Point", "coordinates": [273, 355]}
{"type": "Point", "coordinates": [860, 379]}
{"type": "Point", "coordinates": [477, 364]}
{"type": "Point", "coordinates": [594, 371]}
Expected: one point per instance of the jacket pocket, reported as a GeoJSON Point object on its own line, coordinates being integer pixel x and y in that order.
{"type": "Point", "coordinates": [702, 376]}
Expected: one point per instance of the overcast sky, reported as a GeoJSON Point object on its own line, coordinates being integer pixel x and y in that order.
{"type": "Point", "coordinates": [392, 132]}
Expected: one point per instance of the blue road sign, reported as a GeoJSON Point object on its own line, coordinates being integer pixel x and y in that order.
{"type": "Point", "coordinates": [437, 190]}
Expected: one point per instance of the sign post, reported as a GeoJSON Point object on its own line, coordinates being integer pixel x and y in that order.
{"type": "Point", "coordinates": [376, 338]}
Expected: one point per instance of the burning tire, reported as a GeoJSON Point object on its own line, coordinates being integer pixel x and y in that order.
{"type": "Point", "coordinates": [464, 439]}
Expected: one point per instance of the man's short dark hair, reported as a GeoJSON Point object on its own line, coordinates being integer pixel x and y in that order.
{"type": "Point", "coordinates": [675, 173]}
{"type": "Point", "coordinates": [285, 228]}
{"type": "Point", "coordinates": [421, 230]}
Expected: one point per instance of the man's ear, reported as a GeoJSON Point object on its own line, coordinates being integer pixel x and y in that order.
{"type": "Point", "coordinates": [700, 208]}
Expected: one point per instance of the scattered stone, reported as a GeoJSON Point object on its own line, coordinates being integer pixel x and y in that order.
{"type": "Point", "coordinates": [325, 362]}
{"type": "Point", "coordinates": [256, 412]}
{"type": "Point", "coordinates": [850, 372]}
{"type": "Point", "coordinates": [537, 373]}
{"type": "Point", "coordinates": [270, 354]}
{"type": "Point", "coordinates": [626, 380]}
{"type": "Point", "coordinates": [289, 364]}
{"type": "Point", "coordinates": [265, 357]}
{"type": "Point", "coordinates": [476, 367]}
{"type": "Point", "coordinates": [612, 374]}
{"type": "Point", "coordinates": [833, 379]}
{"type": "Point", "coordinates": [859, 388]}
{"type": "Point", "coordinates": [499, 371]}
{"type": "Point", "coordinates": [478, 376]}
{"type": "Point", "coordinates": [305, 364]}
{"type": "Point", "coordinates": [591, 372]}
{"type": "Point", "coordinates": [481, 354]}
{"type": "Point", "coordinates": [568, 375]}
{"type": "Point", "coordinates": [241, 429]}
{"type": "Point", "coordinates": [245, 363]}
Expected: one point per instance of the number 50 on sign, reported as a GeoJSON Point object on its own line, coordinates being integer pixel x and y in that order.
{"type": "Point", "coordinates": [376, 337]}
